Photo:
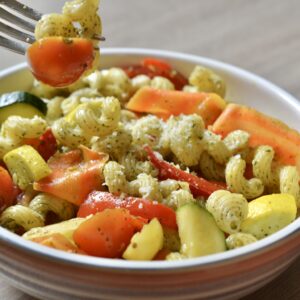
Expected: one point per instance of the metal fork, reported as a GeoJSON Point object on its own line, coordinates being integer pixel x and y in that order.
{"type": "Point", "coordinates": [26, 37]}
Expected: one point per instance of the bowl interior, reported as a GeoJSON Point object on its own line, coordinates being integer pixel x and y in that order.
{"type": "Point", "coordinates": [242, 87]}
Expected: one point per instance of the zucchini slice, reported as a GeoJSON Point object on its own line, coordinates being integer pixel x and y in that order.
{"type": "Point", "coordinates": [198, 231]}
{"type": "Point", "coordinates": [144, 245]}
{"type": "Point", "coordinates": [21, 104]}
{"type": "Point", "coordinates": [26, 166]}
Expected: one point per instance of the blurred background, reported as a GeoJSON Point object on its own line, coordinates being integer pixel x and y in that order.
{"type": "Point", "coordinates": [262, 36]}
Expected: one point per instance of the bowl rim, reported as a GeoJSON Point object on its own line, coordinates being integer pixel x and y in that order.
{"type": "Point", "coordinates": [227, 257]}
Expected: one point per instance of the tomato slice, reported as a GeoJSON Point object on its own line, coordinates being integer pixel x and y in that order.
{"type": "Point", "coordinates": [98, 201]}
{"type": "Point", "coordinates": [8, 190]}
{"type": "Point", "coordinates": [107, 233]}
{"type": "Point", "coordinates": [59, 61]}
{"type": "Point", "coordinates": [155, 67]}
{"type": "Point", "coordinates": [198, 185]}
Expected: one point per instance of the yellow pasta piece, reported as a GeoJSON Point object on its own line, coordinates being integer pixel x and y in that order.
{"type": "Point", "coordinates": [228, 209]}
{"type": "Point", "coordinates": [237, 183]}
{"type": "Point", "coordinates": [239, 239]}
{"type": "Point", "coordinates": [19, 217]}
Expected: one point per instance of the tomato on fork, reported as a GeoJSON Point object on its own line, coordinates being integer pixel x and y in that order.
{"type": "Point", "coordinates": [59, 61]}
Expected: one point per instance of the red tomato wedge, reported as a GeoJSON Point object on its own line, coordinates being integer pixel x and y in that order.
{"type": "Point", "coordinates": [156, 67]}
{"type": "Point", "coordinates": [198, 185]}
{"type": "Point", "coordinates": [73, 177]}
{"type": "Point", "coordinates": [46, 145]}
{"type": "Point", "coordinates": [98, 201]}
{"type": "Point", "coordinates": [59, 61]}
{"type": "Point", "coordinates": [107, 233]}
{"type": "Point", "coordinates": [8, 191]}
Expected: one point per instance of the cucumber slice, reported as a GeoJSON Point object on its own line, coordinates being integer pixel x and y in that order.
{"type": "Point", "coordinates": [21, 104]}
{"type": "Point", "coordinates": [198, 231]}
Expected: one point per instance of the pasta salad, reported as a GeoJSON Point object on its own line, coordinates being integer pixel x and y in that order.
{"type": "Point", "coordinates": [140, 163]}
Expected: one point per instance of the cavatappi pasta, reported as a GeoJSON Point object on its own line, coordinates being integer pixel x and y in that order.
{"type": "Point", "coordinates": [114, 166]}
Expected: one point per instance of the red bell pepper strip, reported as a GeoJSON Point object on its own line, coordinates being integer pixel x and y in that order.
{"type": "Point", "coordinates": [156, 67]}
{"type": "Point", "coordinates": [198, 185]}
{"type": "Point", "coordinates": [45, 145]}
{"type": "Point", "coordinates": [98, 201]}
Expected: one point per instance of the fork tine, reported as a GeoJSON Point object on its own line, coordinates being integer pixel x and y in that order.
{"type": "Point", "coordinates": [98, 37]}
{"type": "Point", "coordinates": [22, 9]}
{"type": "Point", "coordinates": [12, 45]}
{"type": "Point", "coordinates": [6, 15]}
{"type": "Point", "coordinates": [22, 36]}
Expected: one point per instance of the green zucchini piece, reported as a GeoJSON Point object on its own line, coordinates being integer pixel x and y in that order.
{"type": "Point", "coordinates": [21, 104]}
{"type": "Point", "coordinates": [198, 231]}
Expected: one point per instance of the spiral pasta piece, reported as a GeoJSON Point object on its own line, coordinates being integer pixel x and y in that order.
{"type": "Point", "coordinates": [45, 203]}
{"type": "Point", "coordinates": [145, 186]}
{"type": "Point", "coordinates": [162, 83]}
{"type": "Point", "coordinates": [78, 97]}
{"type": "Point", "coordinates": [236, 141]}
{"type": "Point", "coordinates": [210, 169]}
{"type": "Point", "coordinates": [55, 25]}
{"type": "Point", "coordinates": [140, 81]}
{"type": "Point", "coordinates": [147, 131]}
{"type": "Point", "coordinates": [228, 209]}
{"type": "Point", "coordinates": [15, 129]}
{"type": "Point", "coordinates": [81, 12]}
{"type": "Point", "coordinates": [262, 166]}
{"type": "Point", "coordinates": [239, 239]}
{"type": "Point", "coordinates": [185, 134]}
{"type": "Point", "coordinates": [216, 147]}
{"type": "Point", "coordinates": [112, 82]}
{"type": "Point", "coordinates": [289, 182]}
{"type": "Point", "coordinates": [78, 9]}
{"type": "Point", "coordinates": [168, 186]}
{"type": "Point", "coordinates": [18, 217]}
{"type": "Point", "coordinates": [127, 116]}
{"type": "Point", "coordinates": [134, 166]}
{"type": "Point", "coordinates": [207, 80]}
{"type": "Point", "coordinates": [54, 109]}
{"type": "Point", "coordinates": [237, 183]}
{"type": "Point", "coordinates": [85, 13]}
{"type": "Point", "coordinates": [179, 198]}
{"type": "Point", "coordinates": [115, 178]}
{"type": "Point", "coordinates": [116, 144]}
{"type": "Point", "coordinates": [96, 117]}
{"type": "Point", "coordinates": [99, 116]}
{"type": "Point", "coordinates": [68, 134]}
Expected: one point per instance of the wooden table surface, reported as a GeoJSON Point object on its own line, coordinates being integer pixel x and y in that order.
{"type": "Point", "coordinates": [262, 36]}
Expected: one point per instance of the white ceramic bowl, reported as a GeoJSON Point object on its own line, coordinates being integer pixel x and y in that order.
{"type": "Point", "coordinates": [50, 274]}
